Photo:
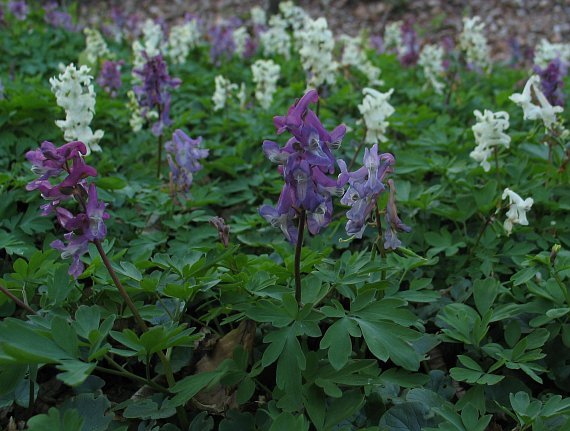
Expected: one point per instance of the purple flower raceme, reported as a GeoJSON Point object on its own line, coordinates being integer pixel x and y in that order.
{"type": "Point", "coordinates": [551, 82]}
{"type": "Point", "coordinates": [50, 163]}
{"type": "Point", "coordinates": [57, 18]}
{"type": "Point", "coordinates": [110, 77]}
{"type": "Point", "coordinates": [304, 162]}
{"type": "Point", "coordinates": [183, 154]}
{"type": "Point", "coordinates": [153, 93]}
{"type": "Point", "coordinates": [222, 41]}
{"type": "Point", "coordinates": [19, 9]}
{"type": "Point", "coordinates": [410, 52]}
{"type": "Point", "coordinates": [377, 44]}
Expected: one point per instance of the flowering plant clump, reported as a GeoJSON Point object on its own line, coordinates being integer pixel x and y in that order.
{"type": "Point", "coordinates": [276, 40]}
{"type": "Point", "coordinates": [265, 76]}
{"type": "Point", "coordinates": [304, 162]}
{"type": "Point", "coordinates": [74, 93]}
{"type": "Point", "coordinates": [551, 82]}
{"type": "Point", "coordinates": [19, 9]}
{"type": "Point", "coordinates": [95, 46]}
{"type": "Point", "coordinates": [545, 52]}
{"type": "Point", "coordinates": [244, 43]}
{"type": "Point", "coordinates": [153, 93]}
{"type": "Point", "coordinates": [182, 39]}
{"type": "Point", "coordinates": [489, 134]}
{"type": "Point", "coordinates": [517, 210]}
{"type": "Point", "coordinates": [183, 154]}
{"type": "Point", "coordinates": [258, 16]}
{"type": "Point", "coordinates": [57, 18]}
{"type": "Point", "coordinates": [409, 50]}
{"type": "Point", "coordinates": [375, 108]}
{"type": "Point", "coordinates": [353, 55]}
{"type": "Point", "coordinates": [473, 41]}
{"type": "Point", "coordinates": [431, 59]}
{"type": "Point", "coordinates": [152, 44]}
{"type": "Point", "coordinates": [83, 226]}
{"type": "Point", "coordinates": [316, 53]}
{"type": "Point", "coordinates": [110, 77]}
{"type": "Point", "coordinates": [224, 89]}
{"type": "Point", "coordinates": [393, 36]}
{"type": "Point", "coordinates": [222, 41]}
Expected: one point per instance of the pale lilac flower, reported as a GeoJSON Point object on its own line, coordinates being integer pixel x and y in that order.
{"type": "Point", "coordinates": [551, 82]}
{"type": "Point", "coordinates": [110, 77]}
{"type": "Point", "coordinates": [19, 9]}
{"type": "Point", "coordinates": [183, 155]}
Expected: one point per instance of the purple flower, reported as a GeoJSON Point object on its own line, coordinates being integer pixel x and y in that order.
{"type": "Point", "coordinates": [304, 162]}
{"type": "Point", "coordinates": [223, 230]}
{"type": "Point", "coordinates": [153, 93]}
{"type": "Point", "coordinates": [377, 44]}
{"type": "Point", "coordinates": [88, 224]}
{"type": "Point", "coordinates": [551, 81]}
{"type": "Point", "coordinates": [57, 18]}
{"type": "Point", "coordinates": [19, 9]}
{"type": "Point", "coordinates": [110, 77]}
{"type": "Point", "coordinates": [222, 41]}
{"type": "Point", "coordinates": [183, 154]}
{"type": "Point", "coordinates": [393, 222]}
{"type": "Point", "coordinates": [410, 48]}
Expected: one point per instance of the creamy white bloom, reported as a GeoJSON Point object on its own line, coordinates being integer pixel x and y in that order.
{"type": "Point", "coordinates": [375, 108]}
{"type": "Point", "coordinates": [317, 53]}
{"type": "Point", "coordinates": [295, 17]}
{"type": "Point", "coordinates": [354, 55]}
{"type": "Point", "coordinates": [224, 89]}
{"type": "Point", "coordinates": [152, 43]}
{"type": "Point", "coordinates": [473, 41]}
{"type": "Point", "coordinates": [489, 133]}
{"type": "Point", "coordinates": [258, 15]}
{"type": "Point", "coordinates": [517, 210]}
{"type": "Point", "coordinates": [393, 36]}
{"type": "Point", "coordinates": [240, 36]}
{"type": "Point", "coordinates": [431, 59]}
{"type": "Point", "coordinates": [95, 46]}
{"type": "Point", "coordinates": [182, 39]}
{"type": "Point", "coordinates": [265, 75]}
{"type": "Point", "coordinates": [276, 40]}
{"type": "Point", "coordinates": [75, 94]}
{"type": "Point", "coordinates": [545, 52]}
{"type": "Point", "coordinates": [543, 111]}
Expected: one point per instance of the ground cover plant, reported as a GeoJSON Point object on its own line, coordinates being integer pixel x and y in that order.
{"type": "Point", "coordinates": [257, 224]}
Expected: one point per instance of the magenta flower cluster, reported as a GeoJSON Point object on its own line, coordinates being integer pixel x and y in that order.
{"type": "Point", "coordinates": [154, 93]}
{"type": "Point", "coordinates": [87, 224]}
{"type": "Point", "coordinates": [183, 155]}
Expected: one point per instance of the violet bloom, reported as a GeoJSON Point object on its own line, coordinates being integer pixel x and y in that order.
{"type": "Point", "coordinates": [410, 51]}
{"type": "Point", "coordinates": [377, 44]}
{"type": "Point", "coordinates": [154, 91]}
{"type": "Point", "coordinates": [393, 222]}
{"type": "Point", "coordinates": [19, 9]}
{"type": "Point", "coordinates": [88, 223]}
{"type": "Point", "coordinates": [551, 82]}
{"type": "Point", "coordinates": [110, 77]}
{"type": "Point", "coordinates": [222, 41]}
{"type": "Point", "coordinates": [304, 162]}
{"type": "Point", "coordinates": [183, 155]}
{"type": "Point", "coordinates": [57, 18]}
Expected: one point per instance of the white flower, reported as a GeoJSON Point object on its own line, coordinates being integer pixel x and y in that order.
{"type": "Point", "coordinates": [276, 40]}
{"type": "Point", "coordinates": [545, 52]}
{"type": "Point", "coordinates": [242, 95]}
{"type": "Point", "coordinates": [375, 108]}
{"type": "Point", "coordinates": [517, 210]}
{"type": "Point", "coordinates": [393, 36]}
{"type": "Point", "coordinates": [317, 53]}
{"type": "Point", "coordinates": [152, 43]}
{"type": "Point", "coordinates": [75, 94]}
{"type": "Point", "coordinates": [353, 55]}
{"type": "Point", "coordinates": [295, 17]}
{"type": "Point", "coordinates": [138, 119]}
{"type": "Point", "coordinates": [431, 59]}
{"type": "Point", "coordinates": [258, 16]}
{"type": "Point", "coordinates": [224, 89]}
{"type": "Point", "coordinates": [95, 46]}
{"type": "Point", "coordinates": [240, 36]}
{"type": "Point", "coordinates": [182, 39]}
{"type": "Point", "coordinates": [544, 111]}
{"type": "Point", "coordinates": [489, 133]}
{"type": "Point", "coordinates": [472, 40]}
{"type": "Point", "coordinates": [265, 75]}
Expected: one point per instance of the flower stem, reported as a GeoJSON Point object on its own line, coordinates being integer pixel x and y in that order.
{"type": "Point", "coordinates": [497, 173]}
{"type": "Point", "coordinates": [17, 300]}
{"type": "Point", "coordinates": [353, 160]}
{"type": "Point", "coordinates": [298, 247]}
{"type": "Point", "coordinates": [159, 157]}
{"type": "Point", "coordinates": [379, 241]}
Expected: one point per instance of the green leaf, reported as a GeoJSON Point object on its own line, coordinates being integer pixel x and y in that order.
{"type": "Point", "coordinates": [64, 335]}
{"type": "Point", "coordinates": [343, 407]}
{"type": "Point", "coordinates": [407, 417]}
{"type": "Point", "coordinates": [484, 293]}
{"type": "Point", "coordinates": [54, 420]}
{"type": "Point", "coordinates": [337, 340]}
{"type": "Point", "coordinates": [75, 372]}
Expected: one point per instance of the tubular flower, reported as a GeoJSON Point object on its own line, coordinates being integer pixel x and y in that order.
{"type": "Point", "coordinates": [431, 59]}
{"type": "Point", "coordinates": [472, 40]}
{"type": "Point", "coordinates": [224, 89]}
{"type": "Point", "coordinates": [182, 39]}
{"type": "Point", "coordinates": [545, 52]}
{"type": "Point", "coordinates": [375, 108]}
{"type": "Point", "coordinates": [551, 82]}
{"type": "Point", "coordinates": [517, 210]}
{"type": "Point", "coordinates": [316, 53]}
{"type": "Point", "coordinates": [183, 155]}
{"type": "Point", "coordinates": [265, 76]}
{"type": "Point", "coordinates": [353, 55]}
{"type": "Point", "coordinates": [489, 133]}
{"type": "Point", "coordinates": [393, 222]}
{"type": "Point", "coordinates": [152, 44]}
{"type": "Point", "coordinates": [110, 77]}
{"type": "Point", "coordinates": [95, 46]}
{"type": "Point", "coordinates": [304, 163]}
{"type": "Point", "coordinates": [276, 40]}
{"type": "Point", "coordinates": [88, 224]}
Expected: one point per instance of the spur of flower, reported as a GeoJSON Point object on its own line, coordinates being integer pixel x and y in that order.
{"type": "Point", "coordinates": [62, 175]}
{"type": "Point", "coordinates": [518, 207]}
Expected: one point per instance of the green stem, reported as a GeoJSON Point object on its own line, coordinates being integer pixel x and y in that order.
{"type": "Point", "coordinates": [17, 300]}
{"type": "Point", "coordinates": [159, 157]}
{"type": "Point", "coordinates": [379, 239]}
{"type": "Point", "coordinates": [497, 173]}
{"type": "Point", "coordinates": [298, 247]}
{"type": "Point", "coordinates": [563, 288]}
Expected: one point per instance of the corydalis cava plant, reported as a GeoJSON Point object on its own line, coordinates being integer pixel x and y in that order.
{"type": "Point", "coordinates": [183, 154]}
{"type": "Point", "coordinates": [62, 174]}
{"type": "Point", "coordinates": [74, 93]}
{"type": "Point", "coordinates": [489, 134]}
{"type": "Point", "coordinates": [305, 163]}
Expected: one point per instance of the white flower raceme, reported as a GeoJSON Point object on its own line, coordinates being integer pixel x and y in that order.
{"type": "Point", "coordinates": [431, 59]}
{"type": "Point", "coordinates": [375, 108]}
{"type": "Point", "coordinates": [74, 93]}
{"type": "Point", "coordinates": [473, 41]}
{"type": "Point", "coordinates": [138, 115]}
{"type": "Point", "coordinates": [517, 210]}
{"type": "Point", "coordinates": [393, 36]}
{"type": "Point", "coordinates": [265, 75]}
{"type": "Point", "coordinates": [95, 46]}
{"type": "Point", "coordinates": [276, 40]}
{"type": "Point", "coordinates": [182, 39]}
{"type": "Point", "coordinates": [258, 16]}
{"type": "Point", "coordinates": [353, 55]}
{"type": "Point", "coordinates": [242, 95]}
{"type": "Point", "coordinates": [294, 16]}
{"type": "Point", "coordinates": [317, 53]}
{"type": "Point", "coordinates": [224, 89]}
{"type": "Point", "coordinates": [489, 133]}
{"type": "Point", "coordinates": [240, 36]}
{"type": "Point", "coordinates": [152, 43]}
{"type": "Point", "coordinates": [545, 52]}
{"type": "Point", "coordinates": [544, 111]}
